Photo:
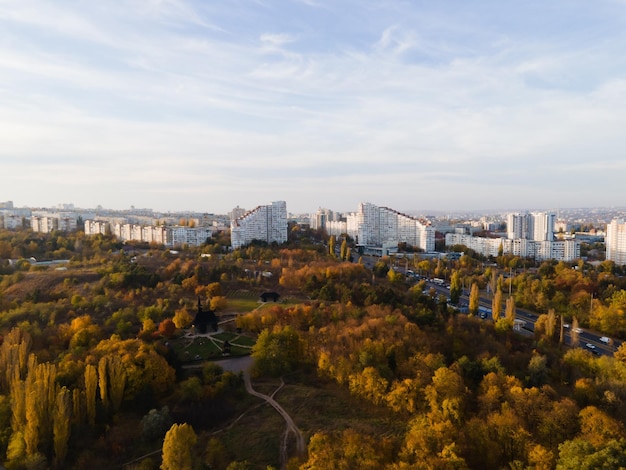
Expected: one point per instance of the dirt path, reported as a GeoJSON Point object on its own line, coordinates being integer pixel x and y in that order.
{"type": "Point", "coordinates": [291, 426]}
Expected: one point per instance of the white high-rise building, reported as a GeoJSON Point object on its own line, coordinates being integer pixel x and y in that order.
{"type": "Point", "coordinates": [615, 241]}
{"type": "Point", "coordinates": [538, 226]}
{"type": "Point", "coordinates": [517, 226]}
{"type": "Point", "coordinates": [266, 223]}
{"type": "Point", "coordinates": [321, 219]}
{"type": "Point", "coordinates": [377, 226]}
{"type": "Point", "coordinates": [543, 226]}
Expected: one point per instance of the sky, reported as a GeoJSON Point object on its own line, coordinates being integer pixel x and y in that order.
{"type": "Point", "coordinates": [415, 105]}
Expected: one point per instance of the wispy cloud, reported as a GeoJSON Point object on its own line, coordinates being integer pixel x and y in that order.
{"type": "Point", "coordinates": [379, 99]}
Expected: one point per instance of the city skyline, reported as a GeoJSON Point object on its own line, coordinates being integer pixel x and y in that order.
{"type": "Point", "coordinates": [178, 105]}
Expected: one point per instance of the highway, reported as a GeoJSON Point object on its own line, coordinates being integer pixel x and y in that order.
{"type": "Point", "coordinates": [587, 339]}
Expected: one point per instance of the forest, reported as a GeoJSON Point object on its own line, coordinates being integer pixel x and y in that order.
{"type": "Point", "coordinates": [97, 368]}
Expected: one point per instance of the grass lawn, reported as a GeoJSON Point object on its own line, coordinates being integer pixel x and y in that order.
{"type": "Point", "coordinates": [201, 347]}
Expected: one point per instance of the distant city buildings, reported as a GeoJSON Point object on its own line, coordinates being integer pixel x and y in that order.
{"type": "Point", "coordinates": [615, 241]}
{"type": "Point", "coordinates": [323, 218]}
{"type": "Point", "coordinates": [374, 226]}
{"type": "Point", "coordinates": [528, 236]}
{"type": "Point", "coordinates": [46, 222]}
{"type": "Point", "coordinates": [265, 223]}
{"type": "Point", "coordinates": [170, 236]}
{"type": "Point", "coordinates": [537, 226]}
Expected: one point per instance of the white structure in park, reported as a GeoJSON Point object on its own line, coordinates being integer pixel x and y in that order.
{"type": "Point", "coordinates": [615, 241]}
{"type": "Point", "coordinates": [266, 223]}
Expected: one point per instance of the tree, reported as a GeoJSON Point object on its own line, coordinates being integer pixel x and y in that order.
{"type": "Point", "coordinates": [278, 351]}
{"type": "Point", "coordinates": [455, 287]}
{"type": "Point", "coordinates": [167, 328]}
{"type": "Point", "coordinates": [474, 299]}
{"type": "Point", "coordinates": [91, 386]}
{"type": "Point", "coordinates": [344, 250]}
{"type": "Point", "coordinates": [177, 446]}
{"type": "Point", "coordinates": [496, 304]}
{"type": "Point", "coordinates": [510, 312]}
{"type": "Point", "coordinates": [331, 245]}
{"type": "Point", "coordinates": [62, 414]}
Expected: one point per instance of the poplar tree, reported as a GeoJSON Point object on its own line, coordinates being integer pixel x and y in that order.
{"type": "Point", "coordinates": [61, 426]}
{"type": "Point", "coordinates": [455, 287]}
{"type": "Point", "coordinates": [91, 386]}
{"type": "Point", "coordinates": [474, 299]}
{"type": "Point", "coordinates": [496, 304]}
{"type": "Point", "coordinates": [103, 381]}
{"type": "Point", "coordinates": [117, 381]}
{"type": "Point", "coordinates": [177, 446]}
{"type": "Point", "coordinates": [510, 310]}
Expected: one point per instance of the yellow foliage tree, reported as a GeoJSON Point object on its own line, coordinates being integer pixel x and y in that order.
{"type": "Point", "coordinates": [177, 446]}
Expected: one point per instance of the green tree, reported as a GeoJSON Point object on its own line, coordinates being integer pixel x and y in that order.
{"type": "Point", "coordinates": [278, 351]}
{"type": "Point", "coordinates": [177, 446]}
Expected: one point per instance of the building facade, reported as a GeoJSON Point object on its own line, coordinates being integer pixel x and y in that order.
{"type": "Point", "coordinates": [537, 226]}
{"type": "Point", "coordinates": [372, 225]}
{"type": "Point", "coordinates": [266, 223]}
{"type": "Point", "coordinates": [615, 241]}
{"type": "Point", "coordinates": [560, 250]}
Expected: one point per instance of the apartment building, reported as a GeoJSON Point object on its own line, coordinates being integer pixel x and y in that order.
{"type": "Point", "coordinates": [170, 236]}
{"type": "Point", "coordinates": [95, 227]}
{"type": "Point", "coordinates": [615, 241]}
{"type": "Point", "coordinates": [560, 250]}
{"type": "Point", "coordinates": [537, 226]}
{"type": "Point", "coordinates": [372, 225]}
{"type": "Point", "coordinates": [266, 223]}
{"type": "Point", "coordinates": [45, 222]}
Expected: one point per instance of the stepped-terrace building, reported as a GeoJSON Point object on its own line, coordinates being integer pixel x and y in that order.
{"type": "Point", "coordinates": [266, 223]}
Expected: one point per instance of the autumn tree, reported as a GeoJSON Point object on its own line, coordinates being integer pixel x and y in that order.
{"type": "Point", "coordinates": [177, 447]}
{"type": "Point", "coordinates": [455, 287]}
{"type": "Point", "coordinates": [61, 423]}
{"type": "Point", "coordinates": [331, 245]}
{"type": "Point", "coordinates": [496, 304]}
{"type": "Point", "coordinates": [474, 299]}
{"type": "Point", "coordinates": [91, 387]}
{"type": "Point", "coordinates": [510, 312]}
{"type": "Point", "coordinates": [277, 351]}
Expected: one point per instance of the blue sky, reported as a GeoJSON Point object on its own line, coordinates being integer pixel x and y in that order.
{"type": "Point", "coordinates": [415, 105]}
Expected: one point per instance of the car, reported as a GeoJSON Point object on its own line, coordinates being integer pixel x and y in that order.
{"type": "Point", "coordinates": [578, 330]}
{"type": "Point", "coordinates": [590, 346]}
{"type": "Point", "coordinates": [605, 340]}
{"type": "Point", "coordinates": [566, 325]}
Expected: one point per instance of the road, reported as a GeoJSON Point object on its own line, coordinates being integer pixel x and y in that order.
{"type": "Point", "coordinates": [588, 339]}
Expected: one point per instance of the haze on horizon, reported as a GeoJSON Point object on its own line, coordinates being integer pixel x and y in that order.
{"type": "Point", "coordinates": [191, 105]}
